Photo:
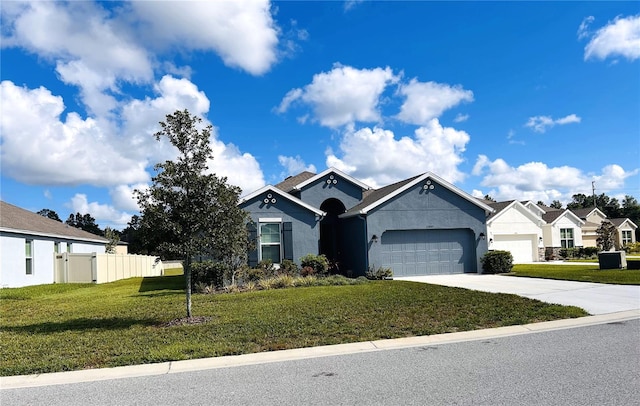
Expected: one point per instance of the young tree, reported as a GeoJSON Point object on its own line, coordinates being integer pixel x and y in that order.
{"type": "Point", "coordinates": [50, 214]}
{"type": "Point", "coordinates": [113, 237]}
{"type": "Point", "coordinates": [190, 211]}
{"type": "Point", "coordinates": [606, 233]}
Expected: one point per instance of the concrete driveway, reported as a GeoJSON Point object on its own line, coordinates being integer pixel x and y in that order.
{"type": "Point", "coordinates": [595, 298]}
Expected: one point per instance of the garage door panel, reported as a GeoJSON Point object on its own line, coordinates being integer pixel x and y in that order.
{"type": "Point", "coordinates": [521, 246]}
{"type": "Point", "coordinates": [426, 252]}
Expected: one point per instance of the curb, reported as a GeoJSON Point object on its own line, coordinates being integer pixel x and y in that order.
{"type": "Point", "coordinates": [90, 375]}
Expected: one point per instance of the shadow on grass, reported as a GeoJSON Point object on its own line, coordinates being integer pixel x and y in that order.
{"type": "Point", "coordinates": [158, 283]}
{"type": "Point", "coordinates": [81, 324]}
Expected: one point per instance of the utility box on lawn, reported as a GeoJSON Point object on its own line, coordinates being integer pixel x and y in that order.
{"type": "Point", "coordinates": [612, 260]}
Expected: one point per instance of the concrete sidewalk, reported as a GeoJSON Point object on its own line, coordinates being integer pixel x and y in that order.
{"type": "Point", "coordinates": [595, 298]}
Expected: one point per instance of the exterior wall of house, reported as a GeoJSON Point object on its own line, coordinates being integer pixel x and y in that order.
{"type": "Point", "coordinates": [516, 227]}
{"type": "Point", "coordinates": [551, 236]}
{"type": "Point", "coordinates": [305, 225]}
{"type": "Point", "coordinates": [420, 209]}
{"type": "Point", "coordinates": [13, 259]}
{"type": "Point", "coordinates": [324, 188]}
{"type": "Point", "coordinates": [624, 227]}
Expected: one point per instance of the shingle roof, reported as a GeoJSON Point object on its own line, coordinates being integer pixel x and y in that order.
{"type": "Point", "coordinates": [498, 206]}
{"type": "Point", "coordinates": [618, 221]}
{"type": "Point", "coordinates": [582, 213]}
{"type": "Point", "coordinates": [288, 184]}
{"type": "Point", "coordinates": [552, 215]}
{"type": "Point", "coordinates": [14, 218]}
{"type": "Point", "coordinates": [372, 196]}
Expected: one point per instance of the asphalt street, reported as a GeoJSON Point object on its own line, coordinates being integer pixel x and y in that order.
{"type": "Point", "coordinates": [589, 365]}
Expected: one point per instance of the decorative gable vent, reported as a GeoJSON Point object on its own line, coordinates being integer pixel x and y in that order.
{"type": "Point", "coordinates": [332, 180]}
{"type": "Point", "coordinates": [428, 185]}
{"type": "Point", "coordinates": [269, 199]}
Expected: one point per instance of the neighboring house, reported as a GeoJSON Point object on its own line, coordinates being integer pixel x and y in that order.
{"type": "Point", "coordinates": [422, 225]}
{"type": "Point", "coordinates": [515, 228]}
{"type": "Point", "coordinates": [29, 242]}
{"type": "Point", "coordinates": [563, 229]}
{"type": "Point", "coordinates": [593, 218]}
{"type": "Point", "coordinates": [626, 231]}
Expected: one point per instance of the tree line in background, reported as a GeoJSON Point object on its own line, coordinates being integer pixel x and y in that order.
{"type": "Point", "coordinates": [87, 223]}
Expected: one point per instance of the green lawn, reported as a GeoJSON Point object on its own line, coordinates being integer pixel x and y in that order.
{"type": "Point", "coordinates": [582, 273]}
{"type": "Point", "coordinates": [69, 327]}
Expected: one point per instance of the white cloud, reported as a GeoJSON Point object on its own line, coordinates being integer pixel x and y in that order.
{"type": "Point", "coordinates": [460, 118]}
{"type": "Point", "coordinates": [98, 151]}
{"type": "Point", "coordinates": [294, 165]}
{"type": "Point", "coordinates": [343, 95]}
{"type": "Point", "coordinates": [123, 197]}
{"type": "Point", "coordinates": [541, 124]}
{"type": "Point", "coordinates": [242, 32]}
{"type": "Point", "coordinates": [427, 100]}
{"type": "Point", "coordinates": [536, 181]}
{"type": "Point", "coordinates": [104, 214]}
{"type": "Point", "coordinates": [378, 158]}
{"type": "Point", "coordinates": [40, 147]}
{"type": "Point", "coordinates": [620, 37]}
{"type": "Point", "coordinates": [98, 49]}
{"type": "Point", "coordinates": [583, 30]}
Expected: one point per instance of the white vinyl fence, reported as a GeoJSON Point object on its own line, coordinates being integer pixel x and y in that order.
{"type": "Point", "coordinates": [103, 268]}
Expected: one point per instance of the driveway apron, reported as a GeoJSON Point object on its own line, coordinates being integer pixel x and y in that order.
{"type": "Point", "coordinates": [595, 298]}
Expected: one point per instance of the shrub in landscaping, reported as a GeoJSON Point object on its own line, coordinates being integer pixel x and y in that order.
{"type": "Point", "coordinates": [632, 248]}
{"type": "Point", "coordinates": [379, 273]}
{"type": "Point", "coordinates": [319, 263]}
{"type": "Point", "coordinates": [497, 262]}
{"type": "Point", "coordinates": [288, 267]}
{"type": "Point", "coordinates": [579, 252]}
{"type": "Point", "coordinates": [209, 273]}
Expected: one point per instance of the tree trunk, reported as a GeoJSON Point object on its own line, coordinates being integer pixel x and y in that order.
{"type": "Point", "coordinates": [187, 276]}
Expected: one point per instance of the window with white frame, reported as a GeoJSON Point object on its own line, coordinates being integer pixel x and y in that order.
{"type": "Point", "coordinates": [56, 247]}
{"type": "Point", "coordinates": [626, 237]}
{"type": "Point", "coordinates": [28, 255]}
{"type": "Point", "coordinates": [270, 242]}
{"type": "Point", "coordinates": [69, 247]}
{"type": "Point", "coordinates": [566, 238]}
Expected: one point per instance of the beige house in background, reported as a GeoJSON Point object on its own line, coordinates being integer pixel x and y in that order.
{"type": "Point", "coordinates": [593, 218]}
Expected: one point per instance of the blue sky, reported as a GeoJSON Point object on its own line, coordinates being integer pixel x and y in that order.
{"type": "Point", "coordinates": [518, 100]}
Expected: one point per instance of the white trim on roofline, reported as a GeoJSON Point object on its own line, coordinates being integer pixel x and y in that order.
{"type": "Point", "coordinates": [538, 220]}
{"type": "Point", "coordinates": [281, 194]}
{"type": "Point", "coordinates": [564, 213]}
{"type": "Point", "coordinates": [49, 235]}
{"type": "Point", "coordinates": [419, 179]}
{"type": "Point", "coordinates": [328, 171]}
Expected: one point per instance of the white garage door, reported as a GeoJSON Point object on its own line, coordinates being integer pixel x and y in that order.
{"type": "Point", "coordinates": [426, 252]}
{"type": "Point", "coordinates": [521, 246]}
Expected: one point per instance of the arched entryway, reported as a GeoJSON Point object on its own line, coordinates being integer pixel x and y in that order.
{"type": "Point", "coordinates": [330, 230]}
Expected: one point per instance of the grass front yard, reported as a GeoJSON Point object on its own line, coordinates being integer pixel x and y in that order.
{"type": "Point", "coordinates": [581, 273]}
{"type": "Point", "coordinates": [76, 326]}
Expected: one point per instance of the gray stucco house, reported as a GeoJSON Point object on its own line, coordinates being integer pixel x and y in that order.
{"type": "Point", "coordinates": [418, 226]}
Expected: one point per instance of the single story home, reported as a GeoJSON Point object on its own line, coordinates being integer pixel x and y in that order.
{"type": "Point", "coordinates": [29, 243]}
{"type": "Point", "coordinates": [418, 226]}
{"type": "Point", "coordinates": [515, 228]}
{"type": "Point", "coordinates": [593, 218]}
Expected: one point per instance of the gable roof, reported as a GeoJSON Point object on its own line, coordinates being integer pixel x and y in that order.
{"type": "Point", "coordinates": [377, 197]}
{"type": "Point", "coordinates": [288, 185]}
{"type": "Point", "coordinates": [502, 207]}
{"type": "Point", "coordinates": [583, 213]}
{"type": "Point", "coordinates": [553, 215]}
{"type": "Point", "coordinates": [18, 220]}
{"type": "Point", "coordinates": [326, 172]}
{"type": "Point", "coordinates": [617, 222]}
{"type": "Point", "coordinates": [281, 193]}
